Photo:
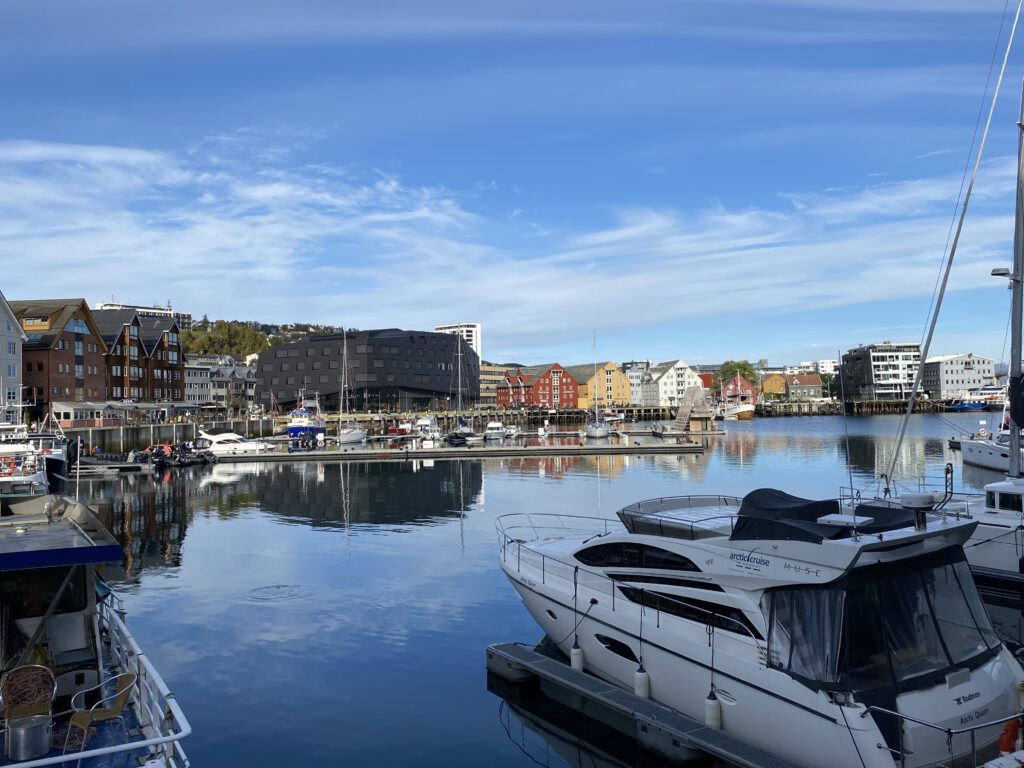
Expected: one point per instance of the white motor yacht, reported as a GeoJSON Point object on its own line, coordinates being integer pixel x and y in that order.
{"type": "Point", "coordinates": [847, 640]}
{"type": "Point", "coordinates": [494, 430]}
{"type": "Point", "coordinates": [230, 444]}
{"type": "Point", "coordinates": [513, 431]}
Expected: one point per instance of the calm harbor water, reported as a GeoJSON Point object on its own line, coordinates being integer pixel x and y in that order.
{"type": "Point", "coordinates": [339, 613]}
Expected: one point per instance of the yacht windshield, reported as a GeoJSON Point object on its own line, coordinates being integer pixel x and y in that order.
{"type": "Point", "coordinates": [902, 625]}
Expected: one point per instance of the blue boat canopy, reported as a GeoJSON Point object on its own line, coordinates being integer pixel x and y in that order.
{"type": "Point", "coordinates": [69, 535]}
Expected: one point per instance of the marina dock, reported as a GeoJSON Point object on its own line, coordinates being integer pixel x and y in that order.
{"type": "Point", "coordinates": [470, 452]}
{"type": "Point", "coordinates": [661, 730]}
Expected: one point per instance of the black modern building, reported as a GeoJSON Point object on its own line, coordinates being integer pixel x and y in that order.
{"type": "Point", "coordinates": [387, 370]}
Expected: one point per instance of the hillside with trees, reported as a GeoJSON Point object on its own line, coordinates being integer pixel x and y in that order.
{"type": "Point", "coordinates": [239, 338]}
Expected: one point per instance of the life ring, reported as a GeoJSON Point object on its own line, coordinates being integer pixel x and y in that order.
{"type": "Point", "coordinates": [1008, 738]}
{"type": "Point", "coordinates": [982, 432]}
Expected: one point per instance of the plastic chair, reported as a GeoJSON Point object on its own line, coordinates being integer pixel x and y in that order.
{"type": "Point", "coordinates": [28, 690]}
{"type": "Point", "coordinates": [107, 709]}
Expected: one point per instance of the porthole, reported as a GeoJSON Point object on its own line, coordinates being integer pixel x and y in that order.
{"type": "Point", "coordinates": [552, 615]}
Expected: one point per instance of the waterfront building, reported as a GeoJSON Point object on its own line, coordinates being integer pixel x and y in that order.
{"type": "Point", "coordinates": [470, 332]}
{"type": "Point", "coordinates": [638, 374]}
{"type": "Point", "coordinates": [669, 381]}
{"type": "Point", "coordinates": [491, 376]}
{"type": "Point", "coordinates": [233, 388]}
{"type": "Point", "coordinates": [881, 371]}
{"type": "Point", "coordinates": [144, 360]}
{"type": "Point", "coordinates": [803, 386]}
{"type": "Point", "coordinates": [183, 319]}
{"type": "Point", "coordinates": [547, 386]}
{"type": "Point", "coordinates": [12, 337]}
{"type": "Point", "coordinates": [63, 353]}
{"type": "Point", "coordinates": [388, 369]}
{"type": "Point", "coordinates": [605, 383]}
{"type": "Point", "coordinates": [773, 386]}
{"type": "Point", "coordinates": [198, 390]}
{"type": "Point", "coordinates": [945, 377]}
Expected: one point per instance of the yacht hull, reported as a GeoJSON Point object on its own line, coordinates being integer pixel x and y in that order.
{"type": "Point", "coordinates": [988, 454]}
{"type": "Point", "coordinates": [759, 705]}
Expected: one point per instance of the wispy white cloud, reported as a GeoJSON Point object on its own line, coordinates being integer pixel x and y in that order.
{"type": "Point", "coordinates": [244, 241]}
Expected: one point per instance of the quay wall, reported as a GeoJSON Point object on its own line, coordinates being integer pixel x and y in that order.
{"type": "Point", "coordinates": [122, 439]}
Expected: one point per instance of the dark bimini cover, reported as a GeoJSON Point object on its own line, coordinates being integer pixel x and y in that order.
{"type": "Point", "coordinates": [773, 515]}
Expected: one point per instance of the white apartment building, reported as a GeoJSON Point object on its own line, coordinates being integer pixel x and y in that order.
{"type": "Point", "coordinates": [470, 332]}
{"type": "Point", "coordinates": [184, 319]}
{"type": "Point", "coordinates": [811, 366]}
{"type": "Point", "coordinates": [639, 374]}
{"type": "Point", "coordinates": [11, 338]}
{"type": "Point", "coordinates": [882, 371]}
{"type": "Point", "coordinates": [947, 376]}
{"type": "Point", "coordinates": [669, 380]}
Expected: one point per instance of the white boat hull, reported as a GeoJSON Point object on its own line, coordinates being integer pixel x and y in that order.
{"type": "Point", "coordinates": [351, 436]}
{"type": "Point", "coordinates": [988, 454]}
{"type": "Point", "coordinates": [596, 431]}
{"type": "Point", "coordinates": [759, 705]}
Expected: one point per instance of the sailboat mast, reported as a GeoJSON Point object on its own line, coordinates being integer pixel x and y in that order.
{"type": "Point", "coordinates": [1015, 392]}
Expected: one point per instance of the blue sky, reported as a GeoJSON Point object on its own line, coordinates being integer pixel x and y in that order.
{"type": "Point", "coordinates": [708, 180]}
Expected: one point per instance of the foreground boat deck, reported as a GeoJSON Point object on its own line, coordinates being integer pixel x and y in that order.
{"type": "Point", "coordinates": [659, 729]}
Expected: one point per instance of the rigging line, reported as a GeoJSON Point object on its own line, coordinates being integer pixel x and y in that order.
{"type": "Point", "coordinates": [995, 538]}
{"type": "Point", "coordinates": [970, 151]}
{"type": "Point", "coordinates": [573, 630]}
{"type": "Point", "coordinates": [852, 737]}
{"type": "Point", "coordinates": [952, 251]}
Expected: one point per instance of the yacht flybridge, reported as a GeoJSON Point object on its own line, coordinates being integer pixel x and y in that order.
{"type": "Point", "coordinates": [829, 635]}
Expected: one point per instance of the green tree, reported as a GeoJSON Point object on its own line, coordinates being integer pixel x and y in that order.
{"type": "Point", "coordinates": [731, 367]}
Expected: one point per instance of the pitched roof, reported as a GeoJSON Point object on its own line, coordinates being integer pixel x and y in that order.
{"type": "Point", "coordinates": [6, 309]}
{"type": "Point", "coordinates": [152, 331]}
{"type": "Point", "coordinates": [581, 373]}
{"type": "Point", "coordinates": [805, 380]}
{"type": "Point", "coordinates": [61, 310]}
{"type": "Point", "coordinates": [111, 321]}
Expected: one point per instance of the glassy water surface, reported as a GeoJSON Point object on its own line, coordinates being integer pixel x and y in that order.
{"type": "Point", "coordinates": [340, 612]}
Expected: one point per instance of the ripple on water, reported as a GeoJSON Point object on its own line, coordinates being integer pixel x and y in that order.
{"type": "Point", "coordinates": [275, 592]}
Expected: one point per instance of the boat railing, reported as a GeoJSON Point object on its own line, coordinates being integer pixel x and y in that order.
{"type": "Point", "coordinates": [530, 526]}
{"type": "Point", "coordinates": [650, 516]}
{"type": "Point", "coordinates": [163, 723]}
{"type": "Point", "coordinates": [550, 567]}
{"type": "Point", "coordinates": [901, 755]}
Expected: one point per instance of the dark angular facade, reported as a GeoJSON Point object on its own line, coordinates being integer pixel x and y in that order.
{"type": "Point", "coordinates": [389, 370]}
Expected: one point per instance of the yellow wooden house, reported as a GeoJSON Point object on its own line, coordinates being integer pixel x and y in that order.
{"type": "Point", "coordinates": [773, 386]}
{"type": "Point", "coordinates": [607, 384]}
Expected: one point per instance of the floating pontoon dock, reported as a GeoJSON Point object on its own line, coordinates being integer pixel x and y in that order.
{"type": "Point", "coordinates": [657, 728]}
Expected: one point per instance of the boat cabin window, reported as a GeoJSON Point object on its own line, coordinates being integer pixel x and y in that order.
{"type": "Point", "coordinates": [902, 625]}
{"type": "Point", "coordinates": [27, 594]}
{"type": "Point", "coordinates": [633, 555]}
{"type": "Point", "coordinates": [1011, 502]}
{"type": "Point", "coordinates": [707, 613]}
{"type": "Point", "coordinates": [990, 499]}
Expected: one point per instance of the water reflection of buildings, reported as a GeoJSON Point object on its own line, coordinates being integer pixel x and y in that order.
{"type": "Point", "coordinates": [148, 517]}
{"type": "Point", "coordinates": [872, 454]}
{"type": "Point", "coordinates": [386, 493]}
